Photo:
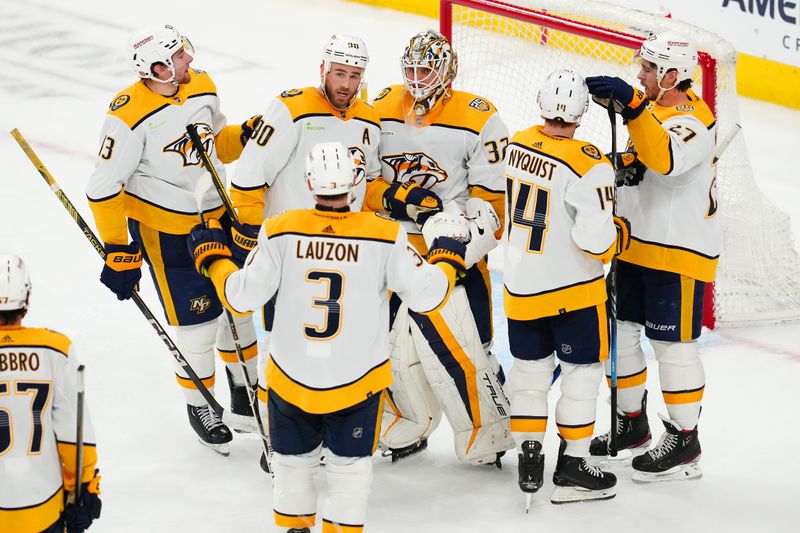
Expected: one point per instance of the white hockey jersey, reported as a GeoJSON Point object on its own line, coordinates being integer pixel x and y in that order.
{"type": "Point", "coordinates": [673, 210]}
{"type": "Point", "coordinates": [332, 271]}
{"type": "Point", "coordinates": [456, 151]}
{"type": "Point", "coordinates": [147, 167]}
{"type": "Point", "coordinates": [38, 409]}
{"type": "Point", "coordinates": [559, 227]}
{"type": "Point", "coordinates": [270, 176]}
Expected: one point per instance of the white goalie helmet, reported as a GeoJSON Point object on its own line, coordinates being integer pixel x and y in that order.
{"type": "Point", "coordinates": [157, 46]}
{"type": "Point", "coordinates": [345, 50]}
{"type": "Point", "coordinates": [669, 50]}
{"type": "Point", "coordinates": [429, 65]}
{"type": "Point", "coordinates": [330, 170]}
{"type": "Point", "coordinates": [15, 283]}
{"type": "Point", "coordinates": [564, 95]}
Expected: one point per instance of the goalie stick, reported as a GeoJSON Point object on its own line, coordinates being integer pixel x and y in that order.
{"type": "Point", "coordinates": [232, 419]}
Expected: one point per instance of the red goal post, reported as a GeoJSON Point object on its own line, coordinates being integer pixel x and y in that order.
{"type": "Point", "coordinates": [506, 49]}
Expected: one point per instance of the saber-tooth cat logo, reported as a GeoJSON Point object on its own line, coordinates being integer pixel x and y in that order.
{"type": "Point", "coordinates": [185, 147]}
{"type": "Point", "coordinates": [418, 167]}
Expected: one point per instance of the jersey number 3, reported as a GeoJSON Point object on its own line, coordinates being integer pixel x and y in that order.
{"type": "Point", "coordinates": [331, 303]}
{"type": "Point", "coordinates": [534, 218]}
{"type": "Point", "coordinates": [41, 394]}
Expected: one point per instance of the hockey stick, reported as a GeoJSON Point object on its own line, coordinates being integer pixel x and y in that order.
{"type": "Point", "coordinates": [75, 496]}
{"type": "Point", "coordinates": [612, 294]}
{"type": "Point", "coordinates": [233, 419]}
{"type": "Point", "coordinates": [200, 189]}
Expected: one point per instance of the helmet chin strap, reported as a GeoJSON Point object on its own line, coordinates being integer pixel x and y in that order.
{"type": "Point", "coordinates": [663, 90]}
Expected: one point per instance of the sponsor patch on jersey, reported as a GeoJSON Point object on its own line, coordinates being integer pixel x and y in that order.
{"type": "Point", "coordinates": [291, 92]}
{"type": "Point", "coordinates": [480, 104]}
{"type": "Point", "coordinates": [684, 107]}
{"type": "Point", "coordinates": [592, 152]}
{"type": "Point", "coordinates": [383, 93]}
{"type": "Point", "coordinates": [120, 101]}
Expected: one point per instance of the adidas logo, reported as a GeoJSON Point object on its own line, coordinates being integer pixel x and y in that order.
{"type": "Point", "coordinates": [7, 338]}
{"type": "Point", "coordinates": [328, 229]}
{"type": "Point", "coordinates": [537, 144]}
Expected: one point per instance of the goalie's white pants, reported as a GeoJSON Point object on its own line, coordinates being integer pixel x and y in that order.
{"type": "Point", "coordinates": [294, 495]}
{"type": "Point", "coordinates": [680, 371]}
{"type": "Point", "coordinates": [529, 382]}
{"type": "Point", "coordinates": [197, 342]}
{"type": "Point", "coordinates": [439, 364]}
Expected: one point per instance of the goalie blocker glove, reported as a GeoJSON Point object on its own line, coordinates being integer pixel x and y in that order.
{"type": "Point", "coordinates": [409, 201]}
{"type": "Point", "coordinates": [627, 101]}
{"type": "Point", "coordinates": [123, 269]}
{"type": "Point", "coordinates": [207, 244]}
{"type": "Point", "coordinates": [629, 170]}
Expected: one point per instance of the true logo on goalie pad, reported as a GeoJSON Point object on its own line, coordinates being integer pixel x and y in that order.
{"type": "Point", "coordinates": [200, 305]}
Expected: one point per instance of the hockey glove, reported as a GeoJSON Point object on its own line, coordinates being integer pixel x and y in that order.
{"type": "Point", "coordinates": [450, 251]}
{"type": "Point", "coordinates": [483, 223]}
{"type": "Point", "coordinates": [249, 127]}
{"type": "Point", "coordinates": [207, 244]}
{"type": "Point", "coordinates": [409, 201]}
{"type": "Point", "coordinates": [623, 227]}
{"type": "Point", "coordinates": [123, 269]}
{"type": "Point", "coordinates": [445, 224]}
{"type": "Point", "coordinates": [244, 238]}
{"type": "Point", "coordinates": [78, 516]}
{"type": "Point", "coordinates": [630, 170]}
{"type": "Point", "coordinates": [628, 102]}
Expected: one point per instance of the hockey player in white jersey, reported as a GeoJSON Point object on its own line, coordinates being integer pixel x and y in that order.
{"type": "Point", "coordinates": [332, 270]}
{"type": "Point", "coordinates": [38, 421]}
{"type": "Point", "coordinates": [144, 183]}
{"type": "Point", "coordinates": [443, 148]}
{"type": "Point", "coordinates": [560, 230]}
{"type": "Point", "coordinates": [669, 195]}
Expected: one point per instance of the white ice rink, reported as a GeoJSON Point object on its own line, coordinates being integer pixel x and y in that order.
{"type": "Point", "coordinates": [60, 66]}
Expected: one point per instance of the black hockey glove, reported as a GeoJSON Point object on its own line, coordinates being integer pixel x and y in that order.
{"type": "Point", "coordinates": [630, 171]}
{"type": "Point", "coordinates": [450, 251]}
{"type": "Point", "coordinates": [123, 269]}
{"type": "Point", "coordinates": [79, 516]}
{"type": "Point", "coordinates": [409, 201]}
{"type": "Point", "coordinates": [628, 102]}
{"type": "Point", "coordinates": [244, 238]}
{"type": "Point", "coordinates": [249, 127]}
{"type": "Point", "coordinates": [207, 244]}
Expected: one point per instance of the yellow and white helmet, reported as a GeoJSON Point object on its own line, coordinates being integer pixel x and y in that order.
{"type": "Point", "coordinates": [15, 283]}
{"type": "Point", "coordinates": [429, 65]}
{"type": "Point", "coordinates": [157, 46]}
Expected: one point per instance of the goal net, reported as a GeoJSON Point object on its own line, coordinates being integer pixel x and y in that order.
{"type": "Point", "coordinates": [506, 50]}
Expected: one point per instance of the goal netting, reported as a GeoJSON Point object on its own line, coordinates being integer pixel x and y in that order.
{"type": "Point", "coordinates": [506, 50]}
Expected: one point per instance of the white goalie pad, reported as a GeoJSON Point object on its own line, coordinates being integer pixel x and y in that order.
{"type": "Point", "coordinates": [411, 412]}
{"type": "Point", "coordinates": [472, 398]}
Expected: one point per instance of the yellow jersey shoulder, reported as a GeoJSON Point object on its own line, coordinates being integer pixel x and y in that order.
{"type": "Point", "coordinates": [695, 107]}
{"type": "Point", "coordinates": [35, 337]}
{"type": "Point", "coordinates": [136, 102]}
{"type": "Point", "coordinates": [389, 103]}
{"type": "Point", "coordinates": [334, 224]}
{"type": "Point", "coordinates": [580, 156]}
{"type": "Point", "coordinates": [466, 110]}
{"type": "Point", "coordinates": [308, 101]}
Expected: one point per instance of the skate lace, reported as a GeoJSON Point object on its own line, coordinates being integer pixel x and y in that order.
{"type": "Point", "coordinates": [665, 445]}
{"type": "Point", "coordinates": [606, 437]}
{"type": "Point", "coordinates": [591, 469]}
{"type": "Point", "coordinates": [208, 417]}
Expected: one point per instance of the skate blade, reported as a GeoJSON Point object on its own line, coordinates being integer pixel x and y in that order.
{"type": "Point", "coordinates": [579, 494]}
{"type": "Point", "coordinates": [239, 423]}
{"type": "Point", "coordinates": [222, 449]}
{"type": "Point", "coordinates": [528, 500]}
{"type": "Point", "coordinates": [623, 457]}
{"type": "Point", "coordinates": [679, 473]}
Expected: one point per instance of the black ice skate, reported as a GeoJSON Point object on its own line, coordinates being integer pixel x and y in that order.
{"type": "Point", "coordinates": [674, 457]}
{"type": "Point", "coordinates": [299, 530]}
{"type": "Point", "coordinates": [530, 469]}
{"type": "Point", "coordinates": [406, 451]}
{"type": "Point", "coordinates": [633, 436]}
{"type": "Point", "coordinates": [577, 480]}
{"type": "Point", "coordinates": [209, 428]}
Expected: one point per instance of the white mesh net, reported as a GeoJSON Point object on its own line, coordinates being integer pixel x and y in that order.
{"type": "Point", "coordinates": [506, 60]}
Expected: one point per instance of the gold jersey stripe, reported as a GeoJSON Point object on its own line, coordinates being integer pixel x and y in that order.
{"type": "Point", "coordinates": [152, 244]}
{"type": "Point", "coordinates": [34, 337]}
{"type": "Point", "coordinates": [187, 383]}
{"type": "Point", "coordinates": [337, 527]}
{"type": "Point", "coordinates": [579, 296]}
{"type": "Point", "coordinates": [33, 518]}
{"type": "Point", "coordinates": [528, 424]}
{"type": "Point", "coordinates": [634, 380]}
{"type": "Point", "coordinates": [294, 520]}
{"type": "Point", "coordinates": [229, 356]}
{"type": "Point", "coordinates": [163, 219]}
{"type": "Point", "coordinates": [671, 259]}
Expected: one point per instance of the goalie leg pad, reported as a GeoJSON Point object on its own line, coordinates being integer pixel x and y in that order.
{"type": "Point", "coordinates": [577, 406]}
{"type": "Point", "coordinates": [631, 367]}
{"type": "Point", "coordinates": [412, 411]}
{"type": "Point", "coordinates": [528, 384]}
{"type": "Point", "coordinates": [246, 330]}
{"type": "Point", "coordinates": [683, 380]}
{"type": "Point", "coordinates": [196, 343]}
{"type": "Point", "coordinates": [349, 483]}
{"type": "Point", "coordinates": [460, 374]}
{"type": "Point", "coordinates": [294, 497]}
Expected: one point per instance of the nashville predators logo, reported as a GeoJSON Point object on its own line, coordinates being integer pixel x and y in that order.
{"type": "Point", "coordinates": [360, 162]}
{"type": "Point", "coordinates": [480, 104]}
{"type": "Point", "coordinates": [417, 167]}
{"type": "Point", "coordinates": [184, 146]}
{"type": "Point", "coordinates": [200, 305]}
{"type": "Point", "coordinates": [591, 151]}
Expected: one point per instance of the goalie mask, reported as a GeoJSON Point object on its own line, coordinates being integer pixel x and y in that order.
{"type": "Point", "coordinates": [669, 51]}
{"type": "Point", "coordinates": [15, 283]}
{"type": "Point", "coordinates": [563, 95]}
{"type": "Point", "coordinates": [151, 47]}
{"type": "Point", "coordinates": [330, 170]}
{"type": "Point", "coordinates": [429, 66]}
